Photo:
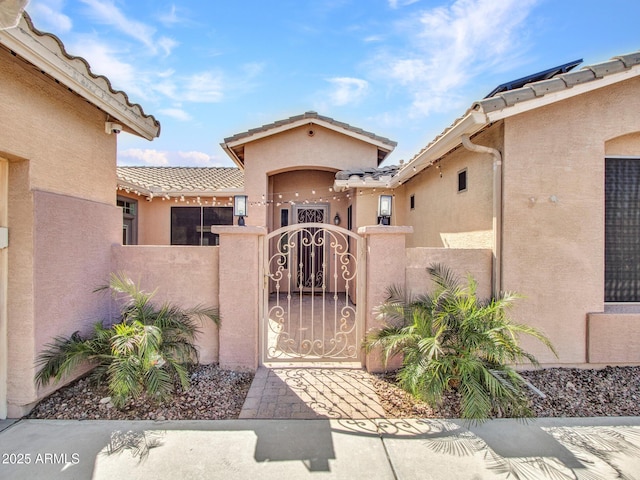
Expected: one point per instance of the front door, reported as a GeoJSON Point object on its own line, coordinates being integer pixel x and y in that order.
{"type": "Point", "coordinates": [310, 253]}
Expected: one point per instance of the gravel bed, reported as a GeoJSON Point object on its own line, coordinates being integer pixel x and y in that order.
{"type": "Point", "coordinates": [217, 394]}
{"type": "Point", "coordinates": [569, 392]}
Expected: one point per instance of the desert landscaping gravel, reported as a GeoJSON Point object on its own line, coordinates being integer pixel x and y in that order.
{"type": "Point", "coordinates": [219, 394]}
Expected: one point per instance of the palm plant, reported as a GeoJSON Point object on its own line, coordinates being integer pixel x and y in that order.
{"type": "Point", "coordinates": [452, 340]}
{"type": "Point", "coordinates": [148, 350]}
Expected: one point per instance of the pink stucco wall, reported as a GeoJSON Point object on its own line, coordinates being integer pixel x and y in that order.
{"type": "Point", "coordinates": [184, 275]}
{"type": "Point", "coordinates": [62, 217]}
{"type": "Point", "coordinates": [296, 150]}
{"type": "Point", "coordinates": [553, 212]}
{"type": "Point", "coordinates": [462, 262]}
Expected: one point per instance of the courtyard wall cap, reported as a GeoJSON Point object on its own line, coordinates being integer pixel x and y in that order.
{"type": "Point", "coordinates": [180, 180]}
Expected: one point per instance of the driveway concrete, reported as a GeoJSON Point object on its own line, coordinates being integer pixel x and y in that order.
{"type": "Point", "coordinates": [565, 448]}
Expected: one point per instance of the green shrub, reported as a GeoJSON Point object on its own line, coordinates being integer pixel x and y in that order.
{"type": "Point", "coordinates": [451, 340]}
{"type": "Point", "coordinates": [148, 350]}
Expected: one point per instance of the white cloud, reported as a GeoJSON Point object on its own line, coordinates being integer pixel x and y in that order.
{"type": "Point", "coordinates": [199, 159]}
{"type": "Point", "coordinates": [203, 87]}
{"type": "Point", "coordinates": [148, 157]}
{"type": "Point", "coordinates": [347, 90]}
{"type": "Point", "coordinates": [48, 16]}
{"type": "Point", "coordinates": [176, 113]}
{"type": "Point", "coordinates": [450, 45]}
{"type": "Point", "coordinates": [106, 12]}
{"type": "Point", "coordinates": [167, 45]}
{"type": "Point", "coordinates": [103, 61]}
{"type": "Point", "coordinates": [401, 3]}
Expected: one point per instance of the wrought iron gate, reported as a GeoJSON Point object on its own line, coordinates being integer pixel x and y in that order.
{"type": "Point", "coordinates": [312, 288]}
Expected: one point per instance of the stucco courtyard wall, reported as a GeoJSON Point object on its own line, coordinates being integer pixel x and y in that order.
{"type": "Point", "coordinates": [61, 216]}
{"type": "Point", "coordinates": [553, 212]}
{"type": "Point", "coordinates": [187, 276]}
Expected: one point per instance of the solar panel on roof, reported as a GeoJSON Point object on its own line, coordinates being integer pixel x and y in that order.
{"type": "Point", "coordinates": [536, 77]}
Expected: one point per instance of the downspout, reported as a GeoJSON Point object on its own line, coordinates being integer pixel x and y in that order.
{"type": "Point", "coordinates": [496, 281]}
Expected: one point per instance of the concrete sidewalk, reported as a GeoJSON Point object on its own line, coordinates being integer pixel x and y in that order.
{"type": "Point", "coordinates": [600, 448]}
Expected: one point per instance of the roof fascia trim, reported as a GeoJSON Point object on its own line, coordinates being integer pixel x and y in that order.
{"type": "Point", "coordinates": [21, 41]}
{"type": "Point", "coordinates": [229, 151]}
{"type": "Point", "coordinates": [472, 123]}
{"type": "Point", "coordinates": [306, 121]}
{"type": "Point", "coordinates": [569, 92]}
{"type": "Point", "coordinates": [150, 192]}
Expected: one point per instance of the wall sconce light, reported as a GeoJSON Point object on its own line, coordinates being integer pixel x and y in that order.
{"type": "Point", "coordinates": [336, 219]}
{"type": "Point", "coordinates": [384, 209]}
{"type": "Point", "coordinates": [240, 208]}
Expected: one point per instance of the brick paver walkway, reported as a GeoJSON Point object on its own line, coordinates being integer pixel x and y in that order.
{"type": "Point", "coordinates": [311, 393]}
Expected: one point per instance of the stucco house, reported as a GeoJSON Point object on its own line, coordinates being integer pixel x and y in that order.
{"type": "Point", "coordinates": [58, 213]}
{"type": "Point", "coordinates": [532, 190]}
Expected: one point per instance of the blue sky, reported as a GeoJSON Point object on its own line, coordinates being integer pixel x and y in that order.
{"type": "Point", "coordinates": [403, 69]}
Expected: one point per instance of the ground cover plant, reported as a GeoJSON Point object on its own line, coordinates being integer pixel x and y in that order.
{"type": "Point", "coordinates": [451, 340]}
{"type": "Point", "coordinates": [146, 351]}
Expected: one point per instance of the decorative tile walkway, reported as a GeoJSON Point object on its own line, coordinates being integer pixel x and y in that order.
{"type": "Point", "coordinates": [311, 393]}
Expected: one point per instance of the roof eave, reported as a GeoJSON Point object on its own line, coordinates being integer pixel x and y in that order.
{"type": "Point", "coordinates": [131, 187]}
{"type": "Point", "coordinates": [229, 151]}
{"type": "Point", "coordinates": [305, 121]}
{"type": "Point", "coordinates": [471, 123]}
{"type": "Point", "coordinates": [570, 92]}
{"type": "Point", "coordinates": [26, 43]}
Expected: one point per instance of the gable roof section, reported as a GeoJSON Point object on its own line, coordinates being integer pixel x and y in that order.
{"type": "Point", "coordinates": [47, 53]}
{"type": "Point", "coordinates": [234, 145]}
{"type": "Point", "coordinates": [505, 104]}
{"type": "Point", "coordinates": [180, 181]}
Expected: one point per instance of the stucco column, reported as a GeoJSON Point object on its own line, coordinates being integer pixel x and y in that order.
{"type": "Point", "coordinates": [240, 260]}
{"type": "Point", "coordinates": [386, 265]}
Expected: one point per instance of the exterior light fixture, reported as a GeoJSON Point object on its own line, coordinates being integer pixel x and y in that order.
{"type": "Point", "coordinates": [336, 219]}
{"type": "Point", "coordinates": [384, 209]}
{"type": "Point", "coordinates": [240, 208]}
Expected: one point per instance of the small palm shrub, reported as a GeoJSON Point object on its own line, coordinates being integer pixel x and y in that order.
{"type": "Point", "coordinates": [148, 351]}
{"type": "Point", "coordinates": [453, 341]}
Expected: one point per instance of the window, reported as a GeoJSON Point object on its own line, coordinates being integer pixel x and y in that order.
{"type": "Point", "coordinates": [462, 180]}
{"type": "Point", "coordinates": [192, 225]}
{"type": "Point", "coordinates": [412, 202]}
{"type": "Point", "coordinates": [129, 220]}
{"type": "Point", "coordinates": [622, 230]}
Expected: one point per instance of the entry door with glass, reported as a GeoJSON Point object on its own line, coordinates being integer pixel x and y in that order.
{"type": "Point", "coordinates": [310, 265]}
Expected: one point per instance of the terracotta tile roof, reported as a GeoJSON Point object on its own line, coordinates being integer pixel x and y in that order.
{"type": "Point", "coordinates": [162, 181]}
{"type": "Point", "coordinates": [562, 81]}
{"type": "Point", "coordinates": [367, 173]}
{"type": "Point", "coordinates": [559, 83]}
{"type": "Point", "coordinates": [309, 116]}
{"type": "Point", "coordinates": [48, 54]}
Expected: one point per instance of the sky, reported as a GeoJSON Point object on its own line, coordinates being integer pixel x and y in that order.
{"type": "Point", "coordinates": [402, 69]}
